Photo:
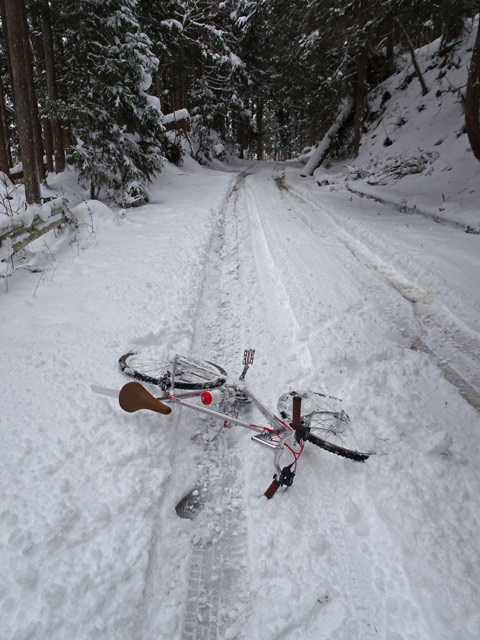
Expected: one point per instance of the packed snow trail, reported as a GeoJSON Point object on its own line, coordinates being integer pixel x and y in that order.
{"type": "Point", "coordinates": [92, 544]}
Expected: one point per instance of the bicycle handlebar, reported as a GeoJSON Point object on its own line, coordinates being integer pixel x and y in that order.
{"type": "Point", "coordinates": [272, 489]}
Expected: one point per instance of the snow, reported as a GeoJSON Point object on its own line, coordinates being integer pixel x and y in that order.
{"type": "Point", "coordinates": [427, 136]}
{"type": "Point", "coordinates": [180, 114]}
{"type": "Point", "coordinates": [327, 292]}
{"type": "Point", "coordinates": [153, 101]}
{"type": "Point", "coordinates": [172, 24]}
{"type": "Point", "coordinates": [146, 82]}
{"type": "Point", "coordinates": [377, 307]}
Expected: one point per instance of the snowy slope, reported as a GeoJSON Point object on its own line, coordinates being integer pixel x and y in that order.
{"type": "Point", "coordinates": [415, 152]}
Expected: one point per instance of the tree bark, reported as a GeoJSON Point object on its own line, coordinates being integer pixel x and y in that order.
{"type": "Point", "coordinates": [52, 90]}
{"type": "Point", "coordinates": [472, 99]}
{"type": "Point", "coordinates": [37, 127]}
{"type": "Point", "coordinates": [411, 50]}
{"type": "Point", "coordinates": [48, 139]}
{"type": "Point", "coordinates": [4, 142]}
{"type": "Point", "coordinates": [17, 45]}
{"type": "Point", "coordinates": [259, 119]}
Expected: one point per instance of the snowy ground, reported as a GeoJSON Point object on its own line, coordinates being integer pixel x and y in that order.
{"type": "Point", "coordinates": [334, 292]}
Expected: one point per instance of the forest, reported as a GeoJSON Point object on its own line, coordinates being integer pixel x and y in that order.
{"type": "Point", "coordinates": [87, 82]}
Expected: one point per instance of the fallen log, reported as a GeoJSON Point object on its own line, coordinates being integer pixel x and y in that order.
{"type": "Point", "coordinates": [177, 121]}
{"type": "Point", "coordinates": [321, 151]}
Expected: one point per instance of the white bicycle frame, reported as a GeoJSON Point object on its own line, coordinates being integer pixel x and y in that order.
{"type": "Point", "coordinates": [264, 437]}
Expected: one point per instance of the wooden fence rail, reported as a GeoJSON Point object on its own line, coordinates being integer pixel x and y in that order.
{"type": "Point", "coordinates": [20, 234]}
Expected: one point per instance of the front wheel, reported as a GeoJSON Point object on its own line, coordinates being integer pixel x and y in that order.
{"type": "Point", "coordinates": [329, 425]}
{"type": "Point", "coordinates": [148, 366]}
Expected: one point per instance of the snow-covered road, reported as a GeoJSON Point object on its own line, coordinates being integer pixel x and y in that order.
{"type": "Point", "coordinates": [334, 293]}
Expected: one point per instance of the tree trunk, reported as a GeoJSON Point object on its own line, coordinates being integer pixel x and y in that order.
{"type": "Point", "coordinates": [9, 69]}
{"type": "Point", "coordinates": [17, 45]}
{"type": "Point", "coordinates": [411, 50]}
{"type": "Point", "coordinates": [259, 119]}
{"type": "Point", "coordinates": [472, 99]}
{"type": "Point", "coordinates": [452, 14]}
{"type": "Point", "coordinates": [4, 142]}
{"type": "Point", "coordinates": [39, 61]}
{"type": "Point", "coordinates": [48, 138]}
{"type": "Point", "coordinates": [37, 127]}
{"type": "Point", "coordinates": [52, 90]}
{"type": "Point", "coordinates": [321, 151]}
{"type": "Point", "coordinates": [361, 97]}
{"type": "Point", "coordinates": [390, 43]}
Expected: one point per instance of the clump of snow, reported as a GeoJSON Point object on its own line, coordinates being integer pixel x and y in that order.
{"type": "Point", "coordinates": [6, 249]}
{"type": "Point", "coordinates": [146, 82]}
{"type": "Point", "coordinates": [236, 61]}
{"type": "Point", "coordinates": [93, 207]}
{"type": "Point", "coordinates": [175, 116]}
{"type": "Point", "coordinates": [153, 101]}
{"type": "Point", "coordinates": [172, 24]}
{"type": "Point", "coordinates": [306, 154]}
{"type": "Point", "coordinates": [12, 199]}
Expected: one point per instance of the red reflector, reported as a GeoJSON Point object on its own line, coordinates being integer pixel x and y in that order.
{"type": "Point", "coordinates": [206, 397]}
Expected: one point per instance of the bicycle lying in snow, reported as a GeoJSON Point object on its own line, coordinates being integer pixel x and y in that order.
{"type": "Point", "coordinates": [304, 416]}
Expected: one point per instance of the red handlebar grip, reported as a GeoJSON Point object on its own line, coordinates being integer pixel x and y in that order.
{"type": "Point", "coordinates": [270, 492]}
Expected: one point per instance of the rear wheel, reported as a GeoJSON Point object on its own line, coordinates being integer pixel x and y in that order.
{"type": "Point", "coordinates": [330, 427]}
{"type": "Point", "coordinates": [147, 366]}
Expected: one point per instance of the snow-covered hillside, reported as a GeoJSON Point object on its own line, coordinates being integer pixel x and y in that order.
{"type": "Point", "coordinates": [415, 152]}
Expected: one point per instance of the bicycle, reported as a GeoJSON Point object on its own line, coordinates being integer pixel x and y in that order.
{"type": "Point", "coordinates": [304, 416]}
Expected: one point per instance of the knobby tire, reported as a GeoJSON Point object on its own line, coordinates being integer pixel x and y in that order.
{"type": "Point", "coordinates": [161, 381]}
{"type": "Point", "coordinates": [336, 449]}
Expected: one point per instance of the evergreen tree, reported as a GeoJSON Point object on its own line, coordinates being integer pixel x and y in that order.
{"type": "Point", "coordinates": [117, 126]}
{"type": "Point", "coordinates": [210, 44]}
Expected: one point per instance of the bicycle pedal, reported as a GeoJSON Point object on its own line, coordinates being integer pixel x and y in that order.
{"type": "Point", "coordinates": [241, 397]}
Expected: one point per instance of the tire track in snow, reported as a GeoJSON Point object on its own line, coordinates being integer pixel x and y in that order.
{"type": "Point", "coordinates": [437, 332]}
{"type": "Point", "coordinates": [405, 318]}
{"type": "Point", "coordinates": [155, 571]}
{"type": "Point", "coordinates": [357, 611]}
{"type": "Point", "coordinates": [439, 336]}
{"type": "Point", "coordinates": [217, 590]}
{"type": "Point", "coordinates": [455, 349]}
{"type": "Point", "coordinates": [281, 312]}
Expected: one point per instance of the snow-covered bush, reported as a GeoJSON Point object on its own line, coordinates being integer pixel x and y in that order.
{"type": "Point", "coordinates": [12, 197]}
